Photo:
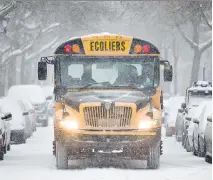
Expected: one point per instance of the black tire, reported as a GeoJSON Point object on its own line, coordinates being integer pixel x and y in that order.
{"type": "Point", "coordinates": [1, 156]}
{"type": "Point", "coordinates": [193, 149]}
{"type": "Point", "coordinates": [208, 159]}
{"type": "Point", "coordinates": [178, 139]}
{"type": "Point", "coordinates": [200, 153]}
{"type": "Point", "coordinates": [21, 139]}
{"type": "Point", "coordinates": [187, 146]}
{"type": "Point", "coordinates": [8, 147]}
{"type": "Point", "coordinates": [168, 134]}
{"type": "Point", "coordinates": [5, 149]}
{"type": "Point", "coordinates": [61, 156]}
{"type": "Point", "coordinates": [45, 123]}
{"type": "Point", "coordinates": [153, 161]}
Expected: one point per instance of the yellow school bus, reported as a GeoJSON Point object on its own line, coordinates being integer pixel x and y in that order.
{"type": "Point", "coordinates": [108, 98]}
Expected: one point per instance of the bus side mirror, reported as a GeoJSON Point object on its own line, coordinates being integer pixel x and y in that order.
{"type": "Point", "coordinates": [42, 70]}
{"type": "Point", "coordinates": [168, 72]}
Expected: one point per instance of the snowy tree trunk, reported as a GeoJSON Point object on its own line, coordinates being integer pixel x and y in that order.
{"type": "Point", "coordinates": [195, 66]}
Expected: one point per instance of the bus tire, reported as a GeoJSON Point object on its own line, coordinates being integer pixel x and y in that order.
{"type": "Point", "coordinates": [61, 156]}
{"type": "Point", "coordinates": [153, 161]}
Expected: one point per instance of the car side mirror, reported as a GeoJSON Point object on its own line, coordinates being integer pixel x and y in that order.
{"type": "Point", "coordinates": [180, 110]}
{"type": "Point", "coordinates": [7, 117]}
{"type": "Point", "coordinates": [196, 121]}
{"type": "Point", "coordinates": [183, 105]}
{"type": "Point", "coordinates": [188, 118]}
{"type": "Point", "coordinates": [49, 98]}
{"type": "Point", "coordinates": [25, 113]}
{"type": "Point", "coordinates": [42, 70]}
{"type": "Point", "coordinates": [209, 118]}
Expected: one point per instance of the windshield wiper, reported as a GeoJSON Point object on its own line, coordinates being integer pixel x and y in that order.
{"type": "Point", "coordinates": [103, 84]}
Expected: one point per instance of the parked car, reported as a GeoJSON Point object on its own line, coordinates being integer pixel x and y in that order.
{"type": "Point", "coordinates": [4, 133]}
{"type": "Point", "coordinates": [28, 119]}
{"type": "Point", "coordinates": [170, 114]}
{"type": "Point", "coordinates": [208, 139]}
{"type": "Point", "coordinates": [19, 129]}
{"type": "Point", "coordinates": [32, 115]}
{"type": "Point", "coordinates": [35, 95]}
{"type": "Point", "coordinates": [194, 96]}
{"type": "Point", "coordinates": [189, 128]}
{"type": "Point", "coordinates": [199, 128]}
{"type": "Point", "coordinates": [48, 92]}
{"type": "Point", "coordinates": [179, 124]}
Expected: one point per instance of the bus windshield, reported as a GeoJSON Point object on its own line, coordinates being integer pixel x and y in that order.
{"type": "Point", "coordinates": [107, 72]}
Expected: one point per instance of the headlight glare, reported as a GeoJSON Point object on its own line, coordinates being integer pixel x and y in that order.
{"type": "Point", "coordinates": [147, 124]}
{"type": "Point", "coordinates": [69, 124]}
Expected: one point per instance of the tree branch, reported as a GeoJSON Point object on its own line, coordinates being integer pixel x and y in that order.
{"type": "Point", "coordinates": [7, 9]}
{"type": "Point", "coordinates": [16, 53]}
{"type": "Point", "coordinates": [188, 40]}
{"type": "Point", "coordinates": [205, 19]}
{"type": "Point", "coordinates": [205, 45]}
{"type": "Point", "coordinates": [42, 49]}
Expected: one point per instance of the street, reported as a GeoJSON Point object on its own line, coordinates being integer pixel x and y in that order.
{"type": "Point", "coordinates": [34, 161]}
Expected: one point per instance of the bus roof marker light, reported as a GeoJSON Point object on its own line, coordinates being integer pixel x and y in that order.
{"type": "Point", "coordinates": [67, 48]}
{"type": "Point", "coordinates": [76, 48]}
{"type": "Point", "coordinates": [138, 48]}
{"type": "Point", "coordinates": [146, 48]}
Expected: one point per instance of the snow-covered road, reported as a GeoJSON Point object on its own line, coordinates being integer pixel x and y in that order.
{"type": "Point", "coordinates": [34, 161]}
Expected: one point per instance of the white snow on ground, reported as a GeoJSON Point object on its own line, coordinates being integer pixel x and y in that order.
{"type": "Point", "coordinates": [34, 161]}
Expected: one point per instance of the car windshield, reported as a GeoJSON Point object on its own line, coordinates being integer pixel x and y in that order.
{"type": "Point", "coordinates": [107, 72]}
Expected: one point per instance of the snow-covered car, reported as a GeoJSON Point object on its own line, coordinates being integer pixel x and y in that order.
{"type": "Point", "coordinates": [48, 92]}
{"type": "Point", "coordinates": [179, 124]}
{"type": "Point", "coordinates": [32, 115]}
{"type": "Point", "coordinates": [170, 114]}
{"type": "Point", "coordinates": [194, 96]}
{"type": "Point", "coordinates": [208, 139]}
{"type": "Point", "coordinates": [4, 132]}
{"type": "Point", "coordinates": [35, 94]}
{"type": "Point", "coordinates": [19, 130]}
{"type": "Point", "coordinates": [199, 128]}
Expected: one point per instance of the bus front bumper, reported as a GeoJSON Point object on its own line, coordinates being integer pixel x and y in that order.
{"type": "Point", "coordinates": [119, 143]}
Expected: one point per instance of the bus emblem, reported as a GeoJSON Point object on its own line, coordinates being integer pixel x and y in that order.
{"type": "Point", "coordinates": [108, 105]}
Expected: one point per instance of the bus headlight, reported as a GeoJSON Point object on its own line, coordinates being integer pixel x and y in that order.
{"type": "Point", "coordinates": [148, 124]}
{"type": "Point", "coordinates": [69, 124]}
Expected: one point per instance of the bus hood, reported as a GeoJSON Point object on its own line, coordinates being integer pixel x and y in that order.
{"type": "Point", "coordinates": [74, 99]}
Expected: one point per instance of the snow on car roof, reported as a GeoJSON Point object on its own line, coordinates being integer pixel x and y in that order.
{"type": "Point", "coordinates": [27, 92]}
{"type": "Point", "coordinates": [199, 88]}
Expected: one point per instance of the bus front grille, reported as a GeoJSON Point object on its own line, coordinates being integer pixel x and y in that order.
{"type": "Point", "coordinates": [116, 117]}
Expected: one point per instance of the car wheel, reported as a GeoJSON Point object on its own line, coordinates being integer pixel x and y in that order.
{"type": "Point", "coordinates": [208, 159]}
{"type": "Point", "coordinates": [8, 147]}
{"type": "Point", "coordinates": [201, 152]}
{"type": "Point", "coordinates": [153, 161]}
{"type": "Point", "coordinates": [45, 123]}
{"type": "Point", "coordinates": [193, 148]}
{"type": "Point", "coordinates": [187, 145]}
{"type": "Point", "coordinates": [1, 156]}
{"type": "Point", "coordinates": [168, 133]}
{"type": "Point", "coordinates": [61, 156]}
{"type": "Point", "coordinates": [21, 139]}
